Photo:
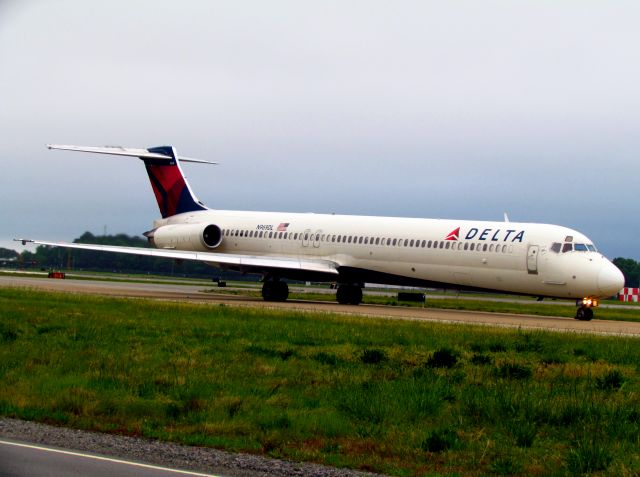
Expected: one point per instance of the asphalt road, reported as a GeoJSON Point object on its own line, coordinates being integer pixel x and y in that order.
{"type": "Point", "coordinates": [198, 293]}
{"type": "Point", "coordinates": [21, 459]}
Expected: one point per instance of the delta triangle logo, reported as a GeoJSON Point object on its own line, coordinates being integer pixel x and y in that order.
{"type": "Point", "coordinates": [454, 235]}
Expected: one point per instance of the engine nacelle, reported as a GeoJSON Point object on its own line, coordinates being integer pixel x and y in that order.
{"type": "Point", "coordinates": [196, 237]}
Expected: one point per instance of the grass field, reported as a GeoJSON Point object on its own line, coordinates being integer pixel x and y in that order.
{"type": "Point", "coordinates": [403, 398]}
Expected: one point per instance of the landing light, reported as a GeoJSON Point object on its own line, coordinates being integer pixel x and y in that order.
{"type": "Point", "coordinates": [590, 302]}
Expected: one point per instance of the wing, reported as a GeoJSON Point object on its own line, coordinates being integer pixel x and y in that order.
{"type": "Point", "coordinates": [246, 262]}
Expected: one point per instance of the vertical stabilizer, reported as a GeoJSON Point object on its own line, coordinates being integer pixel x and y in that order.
{"type": "Point", "coordinates": [173, 194]}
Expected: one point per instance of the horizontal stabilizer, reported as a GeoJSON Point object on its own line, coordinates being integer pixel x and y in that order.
{"type": "Point", "coordinates": [125, 151]}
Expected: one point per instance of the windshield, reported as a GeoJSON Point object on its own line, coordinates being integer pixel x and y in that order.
{"type": "Point", "coordinates": [558, 247]}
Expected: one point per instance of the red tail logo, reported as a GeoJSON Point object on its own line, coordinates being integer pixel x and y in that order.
{"type": "Point", "coordinates": [454, 235]}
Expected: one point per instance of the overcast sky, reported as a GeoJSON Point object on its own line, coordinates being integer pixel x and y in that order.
{"type": "Point", "coordinates": [448, 109]}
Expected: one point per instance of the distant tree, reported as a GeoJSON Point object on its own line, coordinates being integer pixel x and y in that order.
{"type": "Point", "coordinates": [8, 253]}
{"type": "Point", "coordinates": [630, 269]}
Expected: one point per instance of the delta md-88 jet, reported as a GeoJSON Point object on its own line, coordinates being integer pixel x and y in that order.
{"type": "Point", "coordinates": [520, 258]}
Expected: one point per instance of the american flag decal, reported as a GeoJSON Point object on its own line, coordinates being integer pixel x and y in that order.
{"type": "Point", "coordinates": [283, 227]}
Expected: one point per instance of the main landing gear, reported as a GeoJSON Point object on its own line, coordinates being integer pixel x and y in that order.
{"type": "Point", "coordinates": [275, 290]}
{"type": "Point", "coordinates": [585, 309]}
{"type": "Point", "coordinates": [349, 294]}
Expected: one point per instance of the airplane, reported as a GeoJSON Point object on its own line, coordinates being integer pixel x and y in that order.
{"type": "Point", "coordinates": [541, 260]}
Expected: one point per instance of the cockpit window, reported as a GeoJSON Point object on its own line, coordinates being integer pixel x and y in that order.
{"type": "Point", "coordinates": [558, 247]}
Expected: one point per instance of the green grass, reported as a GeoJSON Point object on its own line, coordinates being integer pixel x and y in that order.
{"type": "Point", "coordinates": [404, 398]}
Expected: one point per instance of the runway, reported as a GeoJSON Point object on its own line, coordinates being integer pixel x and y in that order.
{"type": "Point", "coordinates": [202, 294]}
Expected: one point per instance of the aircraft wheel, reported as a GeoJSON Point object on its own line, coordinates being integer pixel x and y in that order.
{"type": "Point", "coordinates": [584, 314]}
{"type": "Point", "coordinates": [282, 291]}
{"type": "Point", "coordinates": [275, 291]}
{"type": "Point", "coordinates": [349, 295]}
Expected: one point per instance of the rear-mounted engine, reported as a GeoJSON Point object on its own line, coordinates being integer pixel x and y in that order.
{"type": "Point", "coordinates": [196, 237]}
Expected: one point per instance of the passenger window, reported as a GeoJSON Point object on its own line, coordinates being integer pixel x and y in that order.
{"type": "Point", "coordinates": [472, 246]}
{"type": "Point", "coordinates": [377, 240]}
{"type": "Point", "coordinates": [484, 247]}
{"type": "Point", "coordinates": [448, 245]}
{"type": "Point", "coordinates": [280, 235]}
{"type": "Point", "coordinates": [429, 244]}
{"type": "Point", "coordinates": [466, 246]}
{"type": "Point", "coordinates": [567, 247]}
{"type": "Point", "coordinates": [504, 249]}
{"type": "Point", "coordinates": [491, 248]}
{"type": "Point", "coordinates": [394, 242]}
{"type": "Point", "coordinates": [360, 240]}
{"type": "Point", "coordinates": [424, 242]}
{"type": "Point", "coordinates": [406, 242]}
{"type": "Point", "coordinates": [411, 243]}
{"type": "Point", "coordinates": [317, 237]}
{"type": "Point", "coordinates": [441, 244]}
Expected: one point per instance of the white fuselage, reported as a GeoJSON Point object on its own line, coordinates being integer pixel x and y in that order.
{"type": "Point", "coordinates": [503, 256]}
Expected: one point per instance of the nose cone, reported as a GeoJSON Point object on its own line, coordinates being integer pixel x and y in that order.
{"type": "Point", "coordinates": [610, 280]}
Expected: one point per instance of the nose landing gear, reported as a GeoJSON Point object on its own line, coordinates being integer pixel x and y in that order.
{"type": "Point", "coordinates": [585, 309]}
